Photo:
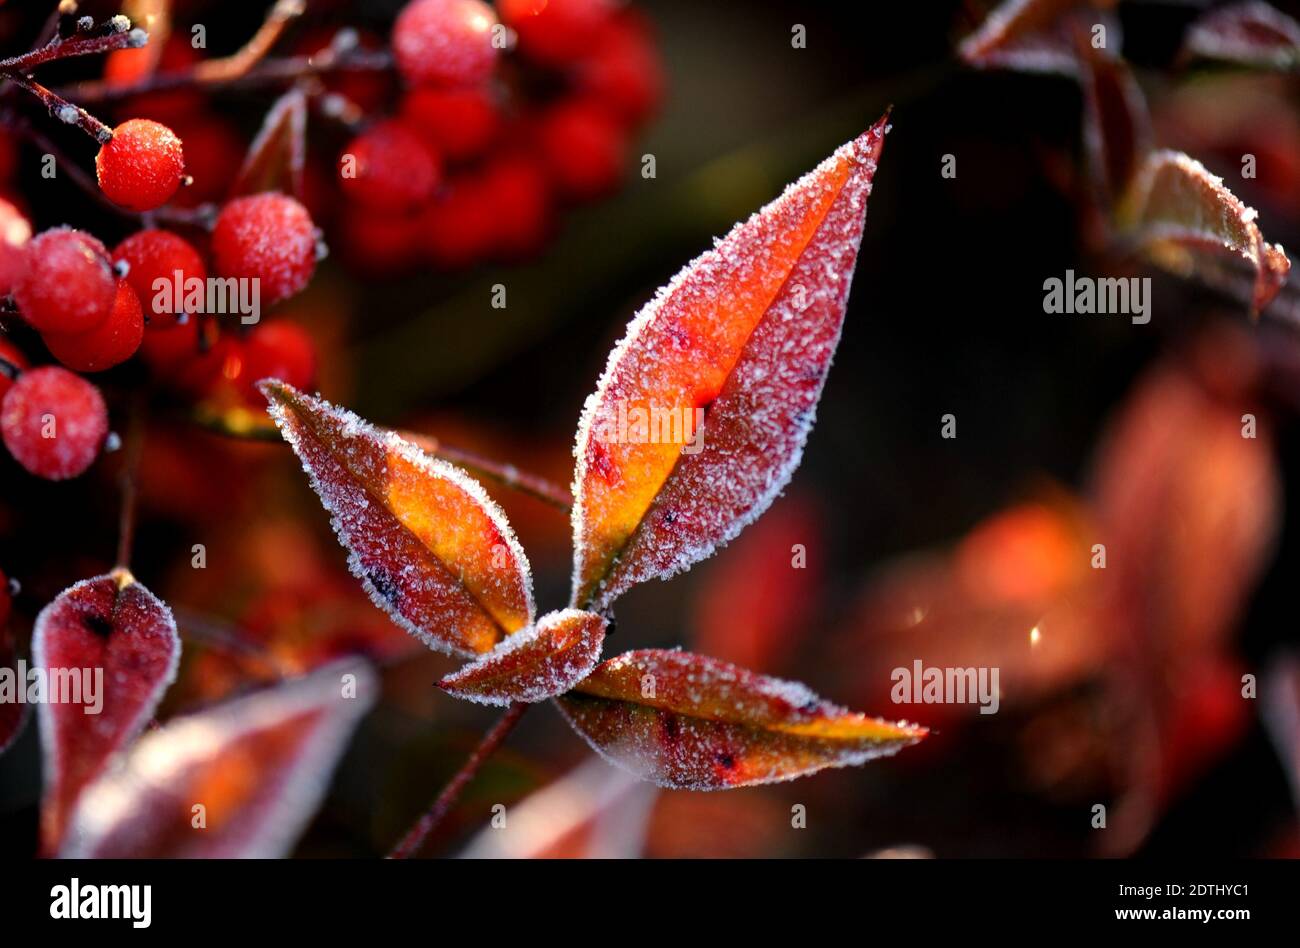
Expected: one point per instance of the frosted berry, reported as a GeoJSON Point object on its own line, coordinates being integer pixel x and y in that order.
{"type": "Point", "coordinates": [389, 168]}
{"type": "Point", "coordinates": [459, 123]}
{"type": "Point", "coordinates": [141, 167]}
{"type": "Point", "coordinates": [15, 232]}
{"type": "Point", "coordinates": [445, 42]}
{"type": "Point", "coordinates": [622, 69]}
{"type": "Point", "coordinates": [153, 255]}
{"type": "Point", "coordinates": [521, 203]}
{"type": "Point", "coordinates": [53, 422]}
{"type": "Point", "coordinates": [110, 343]}
{"type": "Point", "coordinates": [457, 228]}
{"type": "Point", "coordinates": [167, 350]}
{"type": "Point", "coordinates": [267, 237]}
{"type": "Point", "coordinates": [279, 350]}
{"type": "Point", "coordinates": [583, 147]}
{"type": "Point", "coordinates": [555, 32]}
{"type": "Point", "coordinates": [67, 284]}
{"type": "Point", "coordinates": [12, 363]}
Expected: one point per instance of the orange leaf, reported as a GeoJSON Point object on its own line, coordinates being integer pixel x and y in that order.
{"type": "Point", "coordinates": [258, 765]}
{"type": "Point", "coordinates": [686, 721]}
{"type": "Point", "coordinates": [746, 330]}
{"type": "Point", "coordinates": [540, 662]}
{"type": "Point", "coordinates": [429, 545]}
{"type": "Point", "coordinates": [114, 632]}
{"type": "Point", "coordinates": [1189, 222]}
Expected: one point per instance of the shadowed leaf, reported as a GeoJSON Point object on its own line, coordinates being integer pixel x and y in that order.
{"type": "Point", "coordinates": [110, 624]}
{"type": "Point", "coordinates": [540, 662]}
{"type": "Point", "coordinates": [1117, 126]}
{"type": "Point", "coordinates": [1034, 36]}
{"type": "Point", "coordinates": [1252, 33]}
{"type": "Point", "coordinates": [428, 544]}
{"type": "Point", "coordinates": [691, 722]}
{"type": "Point", "coordinates": [278, 153]}
{"type": "Point", "coordinates": [746, 331]}
{"type": "Point", "coordinates": [257, 765]}
{"type": "Point", "coordinates": [1190, 223]}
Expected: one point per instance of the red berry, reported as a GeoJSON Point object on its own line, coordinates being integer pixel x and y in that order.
{"type": "Point", "coordinates": [521, 203]}
{"type": "Point", "coordinates": [585, 150]}
{"type": "Point", "coordinates": [623, 71]}
{"type": "Point", "coordinates": [555, 32]}
{"type": "Point", "coordinates": [110, 343]}
{"type": "Point", "coordinates": [459, 123]}
{"type": "Point", "coordinates": [168, 349]}
{"type": "Point", "coordinates": [68, 283]}
{"type": "Point", "coordinates": [53, 422]}
{"type": "Point", "coordinates": [445, 42]}
{"type": "Point", "coordinates": [214, 152]}
{"type": "Point", "coordinates": [15, 232]}
{"type": "Point", "coordinates": [154, 255]}
{"type": "Point", "coordinates": [379, 244]}
{"type": "Point", "coordinates": [388, 167]}
{"type": "Point", "coordinates": [457, 227]}
{"type": "Point", "coordinates": [267, 237]}
{"type": "Point", "coordinates": [279, 350]}
{"type": "Point", "coordinates": [17, 362]}
{"type": "Point", "coordinates": [141, 167]}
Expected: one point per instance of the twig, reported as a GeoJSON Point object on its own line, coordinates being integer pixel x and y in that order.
{"type": "Point", "coordinates": [115, 34]}
{"type": "Point", "coordinates": [63, 110]}
{"type": "Point", "coordinates": [130, 492]}
{"type": "Point", "coordinates": [531, 484]}
{"type": "Point", "coordinates": [238, 64]}
{"type": "Point", "coordinates": [418, 833]}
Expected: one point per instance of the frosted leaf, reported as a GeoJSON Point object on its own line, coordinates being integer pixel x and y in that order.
{"type": "Point", "coordinates": [742, 337]}
{"type": "Point", "coordinates": [1251, 33]}
{"type": "Point", "coordinates": [430, 547]}
{"type": "Point", "coordinates": [258, 766]}
{"type": "Point", "coordinates": [110, 623]}
{"type": "Point", "coordinates": [537, 663]}
{"type": "Point", "coordinates": [1188, 222]}
{"type": "Point", "coordinates": [686, 721]}
{"type": "Point", "coordinates": [1036, 36]}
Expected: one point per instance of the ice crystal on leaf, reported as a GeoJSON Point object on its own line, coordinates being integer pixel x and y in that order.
{"type": "Point", "coordinates": [430, 547]}
{"type": "Point", "coordinates": [691, 722]}
{"type": "Point", "coordinates": [537, 663]}
{"type": "Point", "coordinates": [744, 334]}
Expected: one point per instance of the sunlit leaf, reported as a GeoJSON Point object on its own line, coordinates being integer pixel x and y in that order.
{"type": "Point", "coordinates": [1251, 33]}
{"type": "Point", "coordinates": [539, 662]}
{"type": "Point", "coordinates": [594, 812]}
{"type": "Point", "coordinates": [1035, 35]}
{"type": "Point", "coordinates": [687, 721]}
{"type": "Point", "coordinates": [746, 331]}
{"type": "Point", "coordinates": [1190, 223]}
{"type": "Point", "coordinates": [428, 544]}
{"type": "Point", "coordinates": [238, 780]}
{"type": "Point", "coordinates": [108, 635]}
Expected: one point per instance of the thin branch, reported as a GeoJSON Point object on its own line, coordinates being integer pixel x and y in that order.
{"type": "Point", "coordinates": [531, 484]}
{"type": "Point", "coordinates": [130, 484]}
{"type": "Point", "coordinates": [415, 837]}
{"type": "Point", "coordinates": [115, 34]}
{"type": "Point", "coordinates": [237, 65]}
{"type": "Point", "coordinates": [63, 110]}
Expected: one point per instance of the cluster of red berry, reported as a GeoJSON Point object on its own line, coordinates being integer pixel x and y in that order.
{"type": "Point", "coordinates": [506, 114]}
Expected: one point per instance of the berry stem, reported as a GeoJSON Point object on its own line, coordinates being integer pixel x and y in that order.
{"type": "Point", "coordinates": [64, 110]}
{"type": "Point", "coordinates": [415, 837]}
{"type": "Point", "coordinates": [115, 34]}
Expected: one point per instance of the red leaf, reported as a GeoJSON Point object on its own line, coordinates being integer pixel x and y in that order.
{"type": "Point", "coordinates": [748, 330]}
{"type": "Point", "coordinates": [540, 662]}
{"type": "Point", "coordinates": [109, 625]}
{"type": "Point", "coordinates": [277, 155]}
{"type": "Point", "coordinates": [1251, 33]}
{"type": "Point", "coordinates": [1034, 36]}
{"type": "Point", "coordinates": [429, 545]}
{"type": "Point", "coordinates": [686, 721]}
{"type": "Point", "coordinates": [257, 765]}
{"type": "Point", "coordinates": [1117, 126]}
{"type": "Point", "coordinates": [1190, 223]}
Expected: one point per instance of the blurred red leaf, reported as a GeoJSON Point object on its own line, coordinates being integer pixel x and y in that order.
{"type": "Point", "coordinates": [754, 603]}
{"type": "Point", "coordinates": [1117, 126]}
{"type": "Point", "coordinates": [1188, 222]}
{"type": "Point", "coordinates": [691, 722]}
{"type": "Point", "coordinates": [536, 663]}
{"type": "Point", "coordinates": [258, 766]}
{"type": "Point", "coordinates": [114, 625]}
{"type": "Point", "coordinates": [278, 153]}
{"type": "Point", "coordinates": [428, 544]}
{"type": "Point", "coordinates": [747, 331]}
{"type": "Point", "coordinates": [1251, 33]}
{"type": "Point", "coordinates": [1034, 36]}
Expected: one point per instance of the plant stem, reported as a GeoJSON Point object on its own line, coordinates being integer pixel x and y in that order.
{"type": "Point", "coordinates": [130, 493]}
{"type": "Point", "coordinates": [493, 739]}
{"type": "Point", "coordinates": [531, 484]}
